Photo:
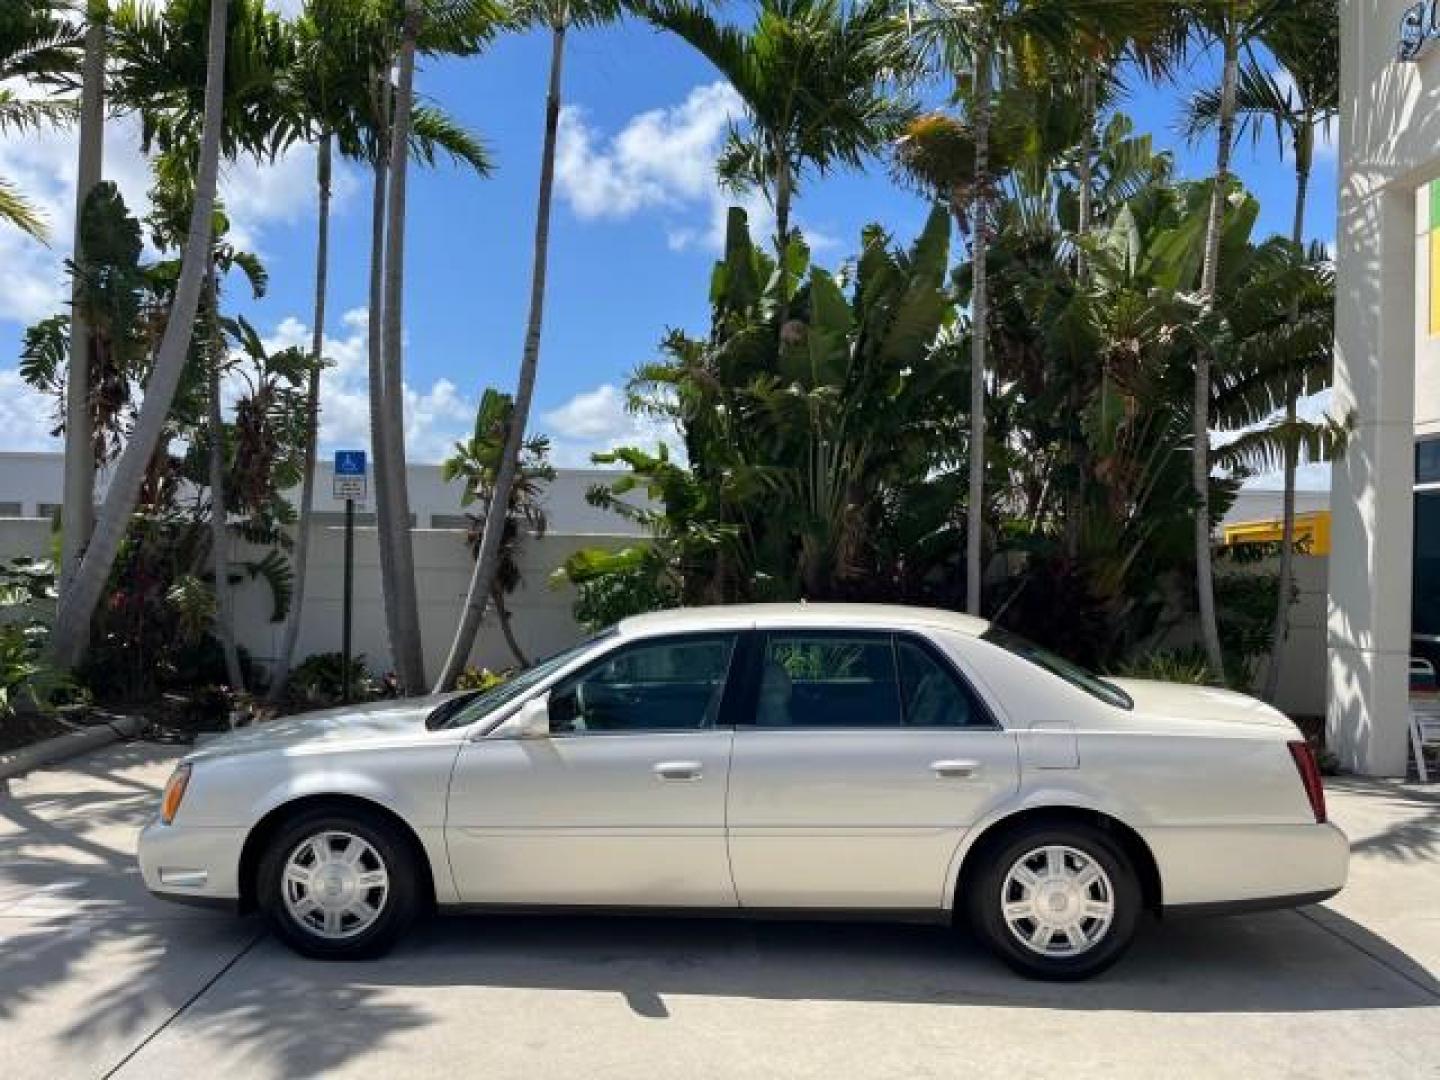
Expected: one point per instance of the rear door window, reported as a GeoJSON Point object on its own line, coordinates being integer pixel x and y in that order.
{"type": "Point", "coordinates": [828, 679]}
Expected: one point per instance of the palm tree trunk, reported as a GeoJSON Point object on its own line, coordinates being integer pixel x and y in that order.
{"type": "Point", "coordinates": [979, 317]}
{"type": "Point", "coordinates": [1082, 273]}
{"type": "Point", "coordinates": [77, 515]}
{"type": "Point", "coordinates": [281, 674]}
{"type": "Point", "coordinates": [380, 461]}
{"type": "Point", "coordinates": [72, 623]}
{"type": "Point", "coordinates": [1285, 586]}
{"type": "Point", "coordinates": [784, 194]}
{"type": "Point", "coordinates": [482, 581]}
{"type": "Point", "coordinates": [219, 518]}
{"type": "Point", "coordinates": [394, 502]}
{"type": "Point", "coordinates": [503, 613]}
{"type": "Point", "coordinates": [1209, 276]}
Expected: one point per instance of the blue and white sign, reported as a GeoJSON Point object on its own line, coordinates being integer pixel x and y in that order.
{"type": "Point", "coordinates": [350, 475]}
{"type": "Point", "coordinates": [1419, 26]}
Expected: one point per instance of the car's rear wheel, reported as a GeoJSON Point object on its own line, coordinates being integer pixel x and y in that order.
{"type": "Point", "coordinates": [1056, 901]}
{"type": "Point", "coordinates": [338, 885]}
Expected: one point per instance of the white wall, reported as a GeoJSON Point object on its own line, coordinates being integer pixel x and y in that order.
{"type": "Point", "coordinates": [541, 614]}
{"type": "Point", "coordinates": [1302, 663]}
{"type": "Point", "coordinates": [563, 499]}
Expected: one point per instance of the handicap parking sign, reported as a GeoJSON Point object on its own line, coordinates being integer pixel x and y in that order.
{"type": "Point", "coordinates": [350, 478]}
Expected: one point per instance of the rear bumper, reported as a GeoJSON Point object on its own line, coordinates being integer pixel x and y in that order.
{"type": "Point", "coordinates": [191, 865]}
{"type": "Point", "coordinates": [1217, 868]}
{"type": "Point", "coordinates": [1246, 907]}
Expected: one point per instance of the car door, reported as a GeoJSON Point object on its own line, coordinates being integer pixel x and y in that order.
{"type": "Point", "coordinates": [623, 803]}
{"type": "Point", "coordinates": [862, 761]}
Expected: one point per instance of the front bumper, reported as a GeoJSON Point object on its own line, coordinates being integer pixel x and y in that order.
{"type": "Point", "coordinates": [199, 865]}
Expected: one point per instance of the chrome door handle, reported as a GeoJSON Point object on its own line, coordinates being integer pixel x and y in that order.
{"type": "Point", "coordinates": [954, 769]}
{"type": "Point", "coordinates": [678, 770]}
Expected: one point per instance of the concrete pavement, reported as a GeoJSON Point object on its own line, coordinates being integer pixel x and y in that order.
{"type": "Point", "coordinates": [98, 979]}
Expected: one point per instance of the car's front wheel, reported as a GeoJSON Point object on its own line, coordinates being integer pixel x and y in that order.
{"type": "Point", "coordinates": [1056, 901]}
{"type": "Point", "coordinates": [338, 884]}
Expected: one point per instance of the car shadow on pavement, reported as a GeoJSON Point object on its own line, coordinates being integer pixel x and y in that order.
{"type": "Point", "coordinates": [1273, 963]}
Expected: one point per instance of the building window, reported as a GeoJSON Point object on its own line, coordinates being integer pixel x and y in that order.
{"type": "Point", "coordinates": [48, 510]}
{"type": "Point", "coordinates": [1427, 461]}
{"type": "Point", "coordinates": [11, 510]}
{"type": "Point", "coordinates": [1425, 574]}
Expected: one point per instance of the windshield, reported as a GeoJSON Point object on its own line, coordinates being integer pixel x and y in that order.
{"type": "Point", "coordinates": [1074, 674]}
{"type": "Point", "coordinates": [480, 705]}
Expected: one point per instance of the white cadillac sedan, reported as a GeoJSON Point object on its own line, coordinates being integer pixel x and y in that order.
{"type": "Point", "coordinates": [799, 757]}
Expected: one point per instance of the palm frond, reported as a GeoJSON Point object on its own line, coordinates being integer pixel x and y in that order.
{"type": "Point", "coordinates": [433, 132]}
{"type": "Point", "coordinates": [15, 209]}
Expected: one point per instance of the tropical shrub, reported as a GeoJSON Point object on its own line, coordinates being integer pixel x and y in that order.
{"type": "Point", "coordinates": [473, 678]}
{"type": "Point", "coordinates": [1168, 665]}
{"type": "Point", "coordinates": [819, 455]}
{"type": "Point", "coordinates": [319, 680]}
{"type": "Point", "coordinates": [27, 602]}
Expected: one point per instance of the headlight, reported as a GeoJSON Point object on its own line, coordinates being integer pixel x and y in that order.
{"type": "Point", "coordinates": [174, 792]}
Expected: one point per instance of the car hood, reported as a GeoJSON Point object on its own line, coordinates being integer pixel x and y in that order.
{"type": "Point", "coordinates": [1181, 701]}
{"type": "Point", "coordinates": [374, 722]}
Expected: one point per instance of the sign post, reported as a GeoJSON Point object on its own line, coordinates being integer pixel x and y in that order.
{"type": "Point", "coordinates": [350, 484]}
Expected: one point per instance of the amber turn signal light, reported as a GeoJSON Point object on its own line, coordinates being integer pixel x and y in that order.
{"type": "Point", "coordinates": [174, 792]}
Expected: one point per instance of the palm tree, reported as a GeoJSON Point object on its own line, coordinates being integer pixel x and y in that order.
{"type": "Point", "coordinates": [558, 16]}
{"type": "Point", "coordinates": [1231, 24]}
{"type": "Point", "coordinates": [314, 78]}
{"type": "Point", "coordinates": [983, 46]}
{"type": "Point", "coordinates": [332, 82]}
{"type": "Point", "coordinates": [813, 76]}
{"type": "Point", "coordinates": [72, 622]}
{"type": "Point", "coordinates": [162, 69]}
{"type": "Point", "coordinates": [393, 502]}
{"type": "Point", "coordinates": [456, 27]}
{"type": "Point", "coordinates": [78, 509]}
{"type": "Point", "coordinates": [1306, 44]}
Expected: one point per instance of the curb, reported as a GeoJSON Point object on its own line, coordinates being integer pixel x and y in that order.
{"type": "Point", "coordinates": [48, 751]}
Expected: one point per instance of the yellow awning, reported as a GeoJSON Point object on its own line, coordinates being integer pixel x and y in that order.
{"type": "Point", "coordinates": [1311, 529]}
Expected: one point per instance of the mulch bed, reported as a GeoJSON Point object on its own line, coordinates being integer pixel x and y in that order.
{"type": "Point", "coordinates": [26, 728]}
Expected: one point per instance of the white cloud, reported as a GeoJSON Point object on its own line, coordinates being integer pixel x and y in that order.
{"type": "Point", "coordinates": [661, 158]}
{"type": "Point", "coordinates": [288, 8]}
{"type": "Point", "coordinates": [26, 417]}
{"type": "Point", "coordinates": [434, 417]}
{"type": "Point", "coordinates": [595, 421]}
{"type": "Point", "coordinates": [662, 161]}
{"type": "Point", "coordinates": [42, 166]}
{"type": "Point", "coordinates": [259, 197]}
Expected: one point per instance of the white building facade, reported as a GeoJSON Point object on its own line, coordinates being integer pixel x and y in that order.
{"type": "Point", "coordinates": [1383, 605]}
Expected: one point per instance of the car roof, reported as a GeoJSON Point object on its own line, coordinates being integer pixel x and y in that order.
{"type": "Point", "coordinates": [841, 616]}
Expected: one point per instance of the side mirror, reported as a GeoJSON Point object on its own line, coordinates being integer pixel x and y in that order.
{"type": "Point", "coordinates": [530, 721]}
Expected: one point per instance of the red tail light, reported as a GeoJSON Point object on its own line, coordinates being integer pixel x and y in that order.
{"type": "Point", "coordinates": [1309, 776]}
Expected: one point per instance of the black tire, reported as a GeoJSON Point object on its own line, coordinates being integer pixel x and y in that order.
{"type": "Point", "coordinates": [985, 901]}
{"type": "Point", "coordinates": [398, 903]}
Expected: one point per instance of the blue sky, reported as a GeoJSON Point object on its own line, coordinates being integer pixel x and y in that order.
{"type": "Point", "coordinates": [633, 236]}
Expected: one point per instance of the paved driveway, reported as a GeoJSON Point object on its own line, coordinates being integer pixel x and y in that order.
{"type": "Point", "coordinates": [97, 979]}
